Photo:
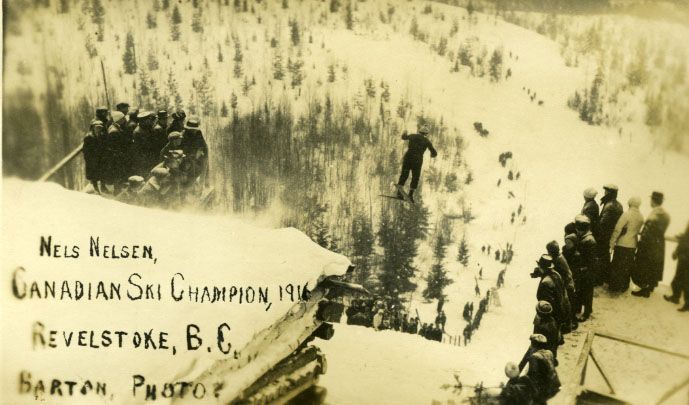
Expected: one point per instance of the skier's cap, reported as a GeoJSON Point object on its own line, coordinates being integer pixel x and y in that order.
{"type": "Point", "coordinates": [582, 219]}
{"type": "Point", "coordinates": [116, 116]}
{"type": "Point", "coordinates": [174, 135]}
{"type": "Point", "coordinates": [162, 113]}
{"type": "Point", "coordinates": [101, 108]}
{"type": "Point", "coordinates": [610, 186]}
{"type": "Point", "coordinates": [122, 104]}
{"type": "Point", "coordinates": [544, 308]}
{"type": "Point", "coordinates": [193, 122]}
{"type": "Point", "coordinates": [634, 202]}
{"type": "Point", "coordinates": [590, 193]}
{"type": "Point", "coordinates": [657, 196]}
{"type": "Point", "coordinates": [545, 262]}
{"type": "Point", "coordinates": [145, 114]}
{"type": "Point", "coordinates": [538, 338]}
{"type": "Point", "coordinates": [134, 180]}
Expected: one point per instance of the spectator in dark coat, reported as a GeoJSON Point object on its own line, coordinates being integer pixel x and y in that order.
{"type": "Point", "coordinates": [122, 107]}
{"type": "Point", "coordinates": [650, 255]}
{"type": "Point", "coordinates": [467, 334]}
{"type": "Point", "coordinates": [562, 268]}
{"type": "Point", "coordinates": [542, 370]}
{"type": "Point", "coordinates": [132, 123]}
{"type": "Point", "coordinates": [177, 124]}
{"type": "Point", "coordinates": [611, 210]}
{"type": "Point", "coordinates": [195, 147]}
{"type": "Point", "coordinates": [519, 390]}
{"type": "Point", "coordinates": [117, 150]}
{"type": "Point", "coordinates": [94, 149]}
{"type": "Point", "coordinates": [680, 283]}
{"type": "Point", "coordinates": [591, 209]}
{"type": "Point", "coordinates": [145, 156]}
{"type": "Point", "coordinates": [584, 267]}
{"type": "Point", "coordinates": [130, 195]}
{"type": "Point", "coordinates": [440, 320]}
{"type": "Point", "coordinates": [550, 288]}
{"type": "Point", "coordinates": [160, 136]}
{"type": "Point", "coordinates": [545, 324]}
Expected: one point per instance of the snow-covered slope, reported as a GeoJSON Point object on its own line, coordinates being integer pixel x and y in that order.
{"type": "Point", "coordinates": [558, 156]}
{"type": "Point", "coordinates": [188, 250]}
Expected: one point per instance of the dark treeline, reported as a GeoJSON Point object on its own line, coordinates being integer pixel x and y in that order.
{"type": "Point", "coordinates": [324, 171]}
{"type": "Point", "coordinates": [549, 6]}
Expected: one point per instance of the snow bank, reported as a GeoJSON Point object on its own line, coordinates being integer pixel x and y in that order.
{"type": "Point", "coordinates": [204, 250]}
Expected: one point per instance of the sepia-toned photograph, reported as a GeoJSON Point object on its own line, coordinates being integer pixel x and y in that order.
{"type": "Point", "coordinates": [334, 202]}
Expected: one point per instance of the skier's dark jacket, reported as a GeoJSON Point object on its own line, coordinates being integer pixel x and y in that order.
{"type": "Point", "coordinates": [417, 146]}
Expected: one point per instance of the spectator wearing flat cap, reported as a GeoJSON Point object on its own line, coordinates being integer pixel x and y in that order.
{"type": "Point", "coordinates": [650, 255]}
{"type": "Point", "coordinates": [130, 195]}
{"type": "Point", "coordinates": [542, 371]}
{"type": "Point", "coordinates": [94, 149]}
{"type": "Point", "coordinates": [195, 147]}
{"type": "Point", "coordinates": [623, 244]}
{"type": "Point", "coordinates": [145, 155]}
{"type": "Point", "coordinates": [122, 107]}
{"type": "Point", "coordinates": [133, 121]}
{"type": "Point", "coordinates": [546, 325]}
{"type": "Point", "coordinates": [174, 142]}
{"type": "Point", "coordinates": [562, 268]}
{"type": "Point", "coordinates": [550, 287]}
{"type": "Point", "coordinates": [163, 186]}
{"type": "Point", "coordinates": [591, 209]}
{"type": "Point", "coordinates": [160, 134]}
{"type": "Point", "coordinates": [610, 213]}
{"type": "Point", "coordinates": [585, 266]}
{"type": "Point", "coordinates": [177, 123]}
{"type": "Point", "coordinates": [117, 149]}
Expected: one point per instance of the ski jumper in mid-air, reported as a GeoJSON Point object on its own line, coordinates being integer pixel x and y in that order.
{"type": "Point", "coordinates": [413, 159]}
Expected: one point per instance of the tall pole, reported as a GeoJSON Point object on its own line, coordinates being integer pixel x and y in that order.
{"type": "Point", "coordinates": [105, 84]}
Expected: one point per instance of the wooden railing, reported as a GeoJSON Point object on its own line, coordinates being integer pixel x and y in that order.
{"type": "Point", "coordinates": [579, 374]}
{"type": "Point", "coordinates": [62, 163]}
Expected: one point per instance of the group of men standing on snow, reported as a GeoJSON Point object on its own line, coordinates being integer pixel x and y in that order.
{"type": "Point", "coordinates": [631, 248]}
{"type": "Point", "coordinates": [604, 245]}
{"type": "Point", "coordinates": [142, 155]}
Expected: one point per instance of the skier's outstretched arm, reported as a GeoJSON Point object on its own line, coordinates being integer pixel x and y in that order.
{"type": "Point", "coordinates": [434, 153]}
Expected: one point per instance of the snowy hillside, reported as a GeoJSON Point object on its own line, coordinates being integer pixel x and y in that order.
{"type": "Point", "coordinates": [347, 159]}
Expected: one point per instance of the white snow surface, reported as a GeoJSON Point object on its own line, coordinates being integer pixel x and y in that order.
{"type": "Point", "coordinates": [558, 157]}
{"type": "Point", "coordinates": [207, 250]}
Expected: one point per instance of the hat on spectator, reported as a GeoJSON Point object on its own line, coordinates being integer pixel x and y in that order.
{"type": "Point", "coordinates": [544, 308]}
{"type": "Point", "coordinates": [117, 116]}
{"type": "Point", "coordinates": [193, 122]}
{"type": "Point", "coordinates": [590, 193]}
